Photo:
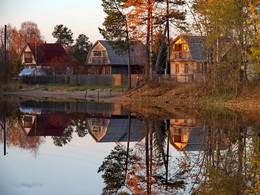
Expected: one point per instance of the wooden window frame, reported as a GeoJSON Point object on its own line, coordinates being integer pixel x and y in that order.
{"type": "Point", "coordinates": [186, 68]}
{"type": "Point", "coordinates": [96, 53]}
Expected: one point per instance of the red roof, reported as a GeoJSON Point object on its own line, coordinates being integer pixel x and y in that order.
{"type": "Point", "coordinates": [45, 52]}
{"type": "Point", "coordinates": [49, 125]}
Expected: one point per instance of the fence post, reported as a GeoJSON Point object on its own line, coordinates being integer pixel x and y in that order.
{"type": "Point", "coordinates": [86, 94]}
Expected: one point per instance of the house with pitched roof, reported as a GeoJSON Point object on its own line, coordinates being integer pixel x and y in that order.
{"type": "Point", "coordinates": [39, 124]}
{"type": "Point", "coordinates": [188, 58]}
{"type": "Point", "coordinates": [41, 55]}
{"type": "Point", "coordinates": [115, 129]}
{"type": "Point", "coordinates": [103, 59]}
{"type": "Point", "coordinates": [190, 135]}
{"type": "Point", "coordinates": [180, 130]}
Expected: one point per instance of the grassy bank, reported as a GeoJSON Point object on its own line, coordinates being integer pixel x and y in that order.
{"type": "Point", "coordinates": [166, 95]}
{"type": "Point", "coordinates": [16, 86]}
{"type": "Point", "coordinates": [170, 95]}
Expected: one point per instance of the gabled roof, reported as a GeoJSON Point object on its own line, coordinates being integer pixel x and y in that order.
{"type": "Point", "coordinates": [196, 45]}
{"type": "Point", "coordinates": [197, 140]}
{"type": "Point", "coordinates": [45, 52]}
{"type": "Point", "coordinates": [49, 125]}
{"type": "Point", "coordinates": [137, 54]}
{"type": "Point", "coordinates": [117, 131]}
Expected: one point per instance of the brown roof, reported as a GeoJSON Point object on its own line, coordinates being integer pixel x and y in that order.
{"type": "Point", "coordinates": [45, 52]}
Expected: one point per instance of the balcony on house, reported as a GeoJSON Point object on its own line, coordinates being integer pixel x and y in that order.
{"type": "Point", "coordinates": [180, 55]}
{"type": "Point", "coordinates": [99, 60]}
{"type": "Point", "coordinates": [180, 51]}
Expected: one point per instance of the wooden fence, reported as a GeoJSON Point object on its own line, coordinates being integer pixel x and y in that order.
{"type": "Point", "coordinates": [45, 79]}
{"type": "Point", "coordinates": [115, 79]}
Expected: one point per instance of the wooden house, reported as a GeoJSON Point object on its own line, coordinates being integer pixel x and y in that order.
{"type": "Point", "coordinates": [45, 124]}
{"type": "Point", "coordinates": [41, 55]}
{"type": "Point", "coordinates": [115, 129]}
{"type": "Point", "coordinates": [189, 135]}
{"type": "Point", "coordinates": [180, 130]}
{"type": "Point", "coordinates": [188, 58]}
{"type": "Point", "coordinates": [102, 59]}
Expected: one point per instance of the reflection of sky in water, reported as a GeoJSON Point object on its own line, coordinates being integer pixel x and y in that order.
{"type": "Point", "coordinates": [30, 110]}
{"type": "Point", "coordinates": [71, 169]}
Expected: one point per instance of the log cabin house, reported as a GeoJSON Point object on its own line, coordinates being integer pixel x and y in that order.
{"type": "Point", "coordinates": [187, 58]}
{"type": "Point", "coordinates": [102, 59]}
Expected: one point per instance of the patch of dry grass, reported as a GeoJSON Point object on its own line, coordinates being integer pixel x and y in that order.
{"type": "Point", "coordinates": [169, 95]}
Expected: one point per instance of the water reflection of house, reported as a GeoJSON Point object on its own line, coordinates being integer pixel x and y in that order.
{"type": "Point", "coordinates": [91, 109]}
{"type": "Point", "coordinates": [45, 124]}
{"type": "Point", "coordinates": [115, 129]}
{"type": "Point", "coordinates": [186, 135]}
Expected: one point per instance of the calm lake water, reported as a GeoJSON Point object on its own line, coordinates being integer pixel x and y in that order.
{"type": "Point", "coordinates": [49, 147]}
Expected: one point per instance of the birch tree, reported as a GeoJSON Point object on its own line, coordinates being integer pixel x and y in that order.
{"type": "Point", "coordinates": [224, 24]}
{"type": "Point", "coordinates": [254, 50]}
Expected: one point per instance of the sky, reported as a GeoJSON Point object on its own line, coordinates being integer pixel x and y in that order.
{"type": "Point", "coordinates": [81, 16]}
{"type": "Point", "coordinates": [71, 169]}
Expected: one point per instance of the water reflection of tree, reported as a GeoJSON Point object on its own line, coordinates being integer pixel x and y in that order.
{"type": "Point", "coordinates": [17, 137]}
{"type": "Point", "coordinates": [148, 171]}
{"type": "Point", "coordinates": [78, 126]}
{"type": "Point", "coordinates": [81, 128]}
{"type": "Point", "coordinates": [151, 172]}
{"type": "Point", "coordinates": [113, 168]}
{"type": "Point", "coordinates": [10, 117]}
{"type": "Point", "coordinates": [228, 163]}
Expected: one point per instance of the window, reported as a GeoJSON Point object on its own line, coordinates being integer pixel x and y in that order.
{"type": "Point", "coordinates": [177, 68]}
{"type": "Point", "coordinates": [198, 67]}
{"type": "Point", "coordinates": [92, 70]}
{"type": "Point", "coordinates": [97, 53]}
{"type": "Point", "coordinates": [185, 47]}
{"type": "Point", "coordinates": [104, 53]}
{"type": "Point", "coordinates": [100, 70]}
{"type": "Point", "coordinates": [108, 70]}
{"type": "Point", "coordinates": [186, 68]}
{"type": "Point", "coordinates": [104, 60]}
{"type": "Point", "coordinates": [27, 57]}
{"type": "Point", "coordinates": [178, 47]}
{"type": "Point", "coordinates": [177, 138]}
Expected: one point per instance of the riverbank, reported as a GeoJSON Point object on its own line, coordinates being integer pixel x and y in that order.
{"type": "Point", "coordinates": [167, 96]}
{"type": "Point", "coordinates": [170, 96]}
